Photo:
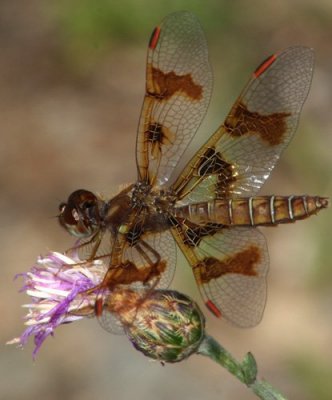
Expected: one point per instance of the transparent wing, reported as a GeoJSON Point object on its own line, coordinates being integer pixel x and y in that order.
{"type": "Point", "coordinates": [240, 156]}
{"type": "Point", "coordinates": [178, 91]}
{"type": "Point", "coordinates": [108, 320]}
{"type": "Point", "coordinates": [230, 267]}
{"type": "Point", "coordinates": [99, 247]}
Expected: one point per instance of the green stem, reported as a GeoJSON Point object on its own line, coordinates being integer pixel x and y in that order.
{"type": "Point", "coordinates": [245, 371]}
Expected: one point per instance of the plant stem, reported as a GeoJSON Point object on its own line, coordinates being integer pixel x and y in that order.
{"type": "Point", "coordinates": [245, 371]}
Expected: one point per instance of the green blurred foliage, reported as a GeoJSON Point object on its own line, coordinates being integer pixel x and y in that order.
{"type": "Point", "coordinates": [313, 375]}
{"type": "Point", "coordinates": [88, 30]}
{"type": "Point", "coordinates": [86, 26]}
{"type": "Point", "coordinates": [105, 19]}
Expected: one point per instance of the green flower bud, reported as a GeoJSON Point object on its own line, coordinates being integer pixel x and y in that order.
{"type": "Point", "coordinates": [168, 326]}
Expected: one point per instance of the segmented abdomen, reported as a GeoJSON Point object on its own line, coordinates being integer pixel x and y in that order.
{"type": "Point", "coordinates": [253, 211]}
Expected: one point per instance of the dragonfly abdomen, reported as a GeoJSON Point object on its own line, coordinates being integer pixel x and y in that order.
{"type": "Point", "coordinates": [253, 211]}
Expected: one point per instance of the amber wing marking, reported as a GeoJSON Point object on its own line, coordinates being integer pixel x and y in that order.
{"type": "Point", "coordinates": [270, 128]}
{"type": "Point", "coordinates": [158, 136]}
{"type": "Point", "coordinates": [165, 85]}
{"type": "Point", "coordinates": [128, 273]}
{"type": "Point", "coordinates": [243, 263]}
{"type": "Point", "coordinates": [192, 234]}
{"type": "Point", "coordinates": [154, 256]}
{"type": "Point", "coordinates": [212, 163]}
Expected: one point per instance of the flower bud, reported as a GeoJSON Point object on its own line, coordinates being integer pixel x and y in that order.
{"type": "Point", "coordinates": [168, 326]}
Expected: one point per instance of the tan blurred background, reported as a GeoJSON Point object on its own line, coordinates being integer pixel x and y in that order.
{"type": "Point", "coordinates": [71, 86]}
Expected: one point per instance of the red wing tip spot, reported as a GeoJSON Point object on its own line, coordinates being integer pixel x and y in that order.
{"type": "Point", "coordinates": [154, 38]}
{"type": "Point", "coordinates": [264, 65]}
{"type": "Point", "coordinates": [98, 307]}
{"type": "Point", "coordinates": [213, 308]}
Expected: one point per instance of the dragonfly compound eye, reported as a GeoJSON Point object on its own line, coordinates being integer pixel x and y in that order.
{"type": "Point", "coordinates": [80, 215]}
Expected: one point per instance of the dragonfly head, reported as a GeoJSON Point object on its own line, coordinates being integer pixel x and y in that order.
{"type": "Point", "coordinates": [80, 216]}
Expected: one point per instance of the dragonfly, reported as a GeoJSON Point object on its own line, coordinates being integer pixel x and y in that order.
{"type": "Point", "coordinates": [211, 210]}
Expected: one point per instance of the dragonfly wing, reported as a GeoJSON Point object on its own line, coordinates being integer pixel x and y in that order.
{"type": "Point", "coordinates": [230, 267]}
{"type": "Point", "coordinates": [239, 157]}
{"type": "Point", "coordinates": [178, 91]}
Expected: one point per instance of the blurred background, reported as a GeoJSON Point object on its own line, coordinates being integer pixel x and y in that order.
{"type": "Point", "coordinates": [71, 86]}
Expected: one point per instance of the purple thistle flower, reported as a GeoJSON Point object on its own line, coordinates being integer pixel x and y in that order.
{"type": "Point", "coordinates": [163, 324]}
{"type": "Point", "coordinates": [57, 285]}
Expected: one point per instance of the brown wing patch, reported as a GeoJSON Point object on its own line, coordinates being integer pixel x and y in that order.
{"type": "Point", "coordinates": [127, 273]}
{"type": "Point", "coordinates": [148, 257]}
{"type": "Point", "coordinates": [157, 135]}
{"type": "Point", "coordinates": [271, 128]}
{"type": "Point", "coordinates": [193, 234]}
{"type": "Point", "coordinates": [165, 85]}
{"type": "Point", "coordinates": [243, 262]}
{"type": "Point", "coordinates": [209, 167]}
{"type": "Point", "coordinates": [213, 163]}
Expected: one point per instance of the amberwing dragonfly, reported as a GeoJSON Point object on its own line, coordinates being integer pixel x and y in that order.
{"type": "Point", "coordinates": [211, 210]}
